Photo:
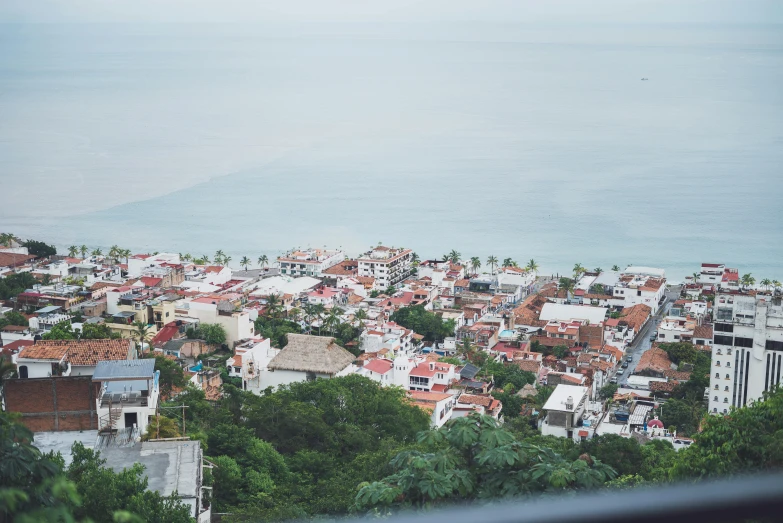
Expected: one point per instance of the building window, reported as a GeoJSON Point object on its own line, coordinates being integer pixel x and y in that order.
{"type": "Point", "coordinates": [719, 352]}
{"type": "Point", "coordinates": [717, 375]}
{"type": "Point", "coordinates": [715, 399]}
{"type": "Point", "coordinates": [725, 400]}
{"type": "Point", "coordinates": [23, 371]}
{"type": "Point", "coordinates": [716, 387]}
{"type": "Point", "coordinates": [728, 364]}
{"type": "Point", "coordinates": [717, 363]}
{"type": "Point", "coordinates": [743, 342]}
{"type": "Point", "coordinates": [728, 351]}
{"type": "Point", "coordinates": [728, 377]}
{"type": "Point", "coordinates": [725, 411]}
{"type": "Point", "coordinates": [725, 390]}
{"type": "Point", "coordinates": [715, 410]}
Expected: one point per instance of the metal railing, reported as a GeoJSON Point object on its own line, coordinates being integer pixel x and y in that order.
{"type": "Point", "coordinates": [758, 498]}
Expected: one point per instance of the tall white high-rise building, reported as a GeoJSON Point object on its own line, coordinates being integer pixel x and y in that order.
{"type": "Point", "coordinates": [747, 354]}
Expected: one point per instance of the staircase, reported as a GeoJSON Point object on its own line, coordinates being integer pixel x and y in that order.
{"type": "Point", "coordinates": [108, 422]}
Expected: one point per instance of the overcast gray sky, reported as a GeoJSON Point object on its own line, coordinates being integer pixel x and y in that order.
{"type": "Point", "coordinates": [534, 11]}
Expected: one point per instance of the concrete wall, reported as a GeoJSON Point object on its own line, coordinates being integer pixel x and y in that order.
{"type": "Point", "coordinates": [54, 404]}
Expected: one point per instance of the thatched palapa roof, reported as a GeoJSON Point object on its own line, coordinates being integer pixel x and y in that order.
{"type": "Point", "coordinates": [318, 354]}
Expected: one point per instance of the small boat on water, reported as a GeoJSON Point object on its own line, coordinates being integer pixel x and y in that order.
{"type": "Point", "coordinates": [644, 79]}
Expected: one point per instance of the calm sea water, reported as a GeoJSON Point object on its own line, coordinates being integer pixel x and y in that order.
{"type": "Point", "coordinates": [517, 141]}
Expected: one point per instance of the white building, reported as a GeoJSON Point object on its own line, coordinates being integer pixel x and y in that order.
{"type": "Point", "coordinates": [210, 309]}
{"type": "Point", "coordinates": [128, 396]}
{"type": "Point", "coordinates": [439, 405]}
{"type": "Point", "coordinates": [564, 410]}
{"type": "Point", "coordinates": [139, 262]}
{"type": "Point", "coordinates": [645, 285]}
{"type": "Point", "coordinates": [567, 313]}
{"type": "Point", "coordinates": [47, 358]}
{"type": "Point", "coordinates": [411, 373]}
{"type": "Point", "coordinates": [306, 358]}
{"type": "Point", "coordinates": [747, 352]}
{"type": "Point", "coordinates": [388, 266]}
{"type": "Point", "coordinates": [673, 331]}
{"type": "Point", "coordinates": [309, 262]}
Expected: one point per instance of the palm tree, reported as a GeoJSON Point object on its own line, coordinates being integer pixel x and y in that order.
{"type": "Point", "coordinates": [320, 310]}
{"type": "Point", "coordinates": [616, 268]}
{"type": "Point", "coordinates": [204, 260]}
{"type": "Point", "coordinates": [532, 266]}
{"type": "Point", "coordinates": [492, 261]}
{"type": "Point", "coordinates": [454, 256]}
{"type": "Point", "coordinates": [766, 283]}
{"type": "Point", "coordinates": [114, 253]}
{"type": "Point", "coordinates": [219, 254]}
{"type": "Point", "coordinates": [83, 250]}
{"type": "Point", "coordinates": [263, 260]}
{"type": "Point", "coordinates": [125, 253]}
{"type": "Point", "coordinates": [415, 259]}
{"type": "Point", "coordinates": [776, 284]}
{"type": "Point", "coordinates": [696, 276]}
{"type": "Point", "coordinates": [274, 307]}
{"type": "Point", "coordinates": [294, 314]}
{"type": "Point", "coordinates": [142, 334]}
{"type": "Point", "coordinates": [748, 280]}
{"type": "Point", "coordinates": [599, 270]}
{"type": "Point", "coordinates": [508, 262]}
{"type": "Point", "coordinates": [245, 261]}
{"type": "Point", "coordinates": [187, 256]}
{"type": "Point", "coordinates": [578, 270]}
{"type": "Point", "coordinates": [567, 284]}
{"type": "Point", "coordinates": [359, 317]}
{"type": "Point", "coordinates": [72, 250]}
{"type": "Point", "coordinates": [310, 312]}
{"type": "Point", "coordinates": [226, 259]}
{"type": "Point", "coordinates": [6, 239]}
{"type": "Point", "coordinates": [475, 264]}
{"type": "Point", "coordinates": [97, 252]}
{"type": "Point", "coordinates": [333, 321]}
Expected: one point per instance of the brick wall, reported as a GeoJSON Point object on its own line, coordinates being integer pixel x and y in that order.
{"type": "Point", "coordinates": [54, 404]}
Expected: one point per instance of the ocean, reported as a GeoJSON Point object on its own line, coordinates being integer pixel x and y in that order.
{"type": "Point", "coordinates": [511, 140]}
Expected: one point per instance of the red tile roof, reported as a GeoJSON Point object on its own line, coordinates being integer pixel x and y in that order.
{"type": "Point", "coordinates": [8, 259]}
{"type": "Point", "coordinates": [78, 352]}
{"type": "Point", "coordinates": [654, 359]}
{"type": "Point", "coordinates": [213, 268]}
{"type": "Point", "coordinates": [149, 281]}
{"type": "Point", "coordinates": [380, 366]}
{"type": "Point", "coordinates": [703, 332]}
{"type": "Point", "coordinates": [636, 316]}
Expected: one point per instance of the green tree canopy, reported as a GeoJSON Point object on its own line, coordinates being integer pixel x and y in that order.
{"type": "Point", "coordinates": [424, 322]}
{"type": "Point", "coordinates": [475, 458]}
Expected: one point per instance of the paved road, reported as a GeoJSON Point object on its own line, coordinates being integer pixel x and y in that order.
{"type": "Point", "coordinates": [642, 342]}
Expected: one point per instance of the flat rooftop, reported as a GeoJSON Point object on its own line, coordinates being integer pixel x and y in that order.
{"type": "Point", "coordinates": [143, 369]}
{"type": "Point", "coordinates": [63, 441]}
{"type": "Point", "coordinates": [557, 399]}
{"type": "Point", "coordinates": [169, 465]}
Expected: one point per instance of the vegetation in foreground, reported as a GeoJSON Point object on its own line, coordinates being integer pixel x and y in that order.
{"type": "Point", "coordinates": [343, 446]}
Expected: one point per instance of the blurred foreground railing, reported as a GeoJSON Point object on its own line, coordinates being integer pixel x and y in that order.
{"type": "Point", "coordinates": [758, 498]}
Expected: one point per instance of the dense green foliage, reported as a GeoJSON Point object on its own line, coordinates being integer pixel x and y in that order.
{"type": "Point", "coordinates": [105, 493]}
{"type": "Point", "coordinates": [424, 322]}
{"type": "Point", "coordinates": [39, 249]}
{"type": "Point", "coordinates": [475, 458]}
{"type": "Point", "coordinates": [212, 333]}
{"type": "Point", "coordinates": [13, 318]}
{"type": "Point", "coordinates": [88, 331]}
{"type": "Point", "coordinates": [302, 450]}
{"type": "Point", "coordinates": [171, 374]}
{"type": "Point", "coordinates": [748, 439]}
{"type": "Point", "coordinates": [15, 284]}
{"type": "Point", "coordinates": [276, 329]}
{"type": "Point", "coordinates": [685, 409]}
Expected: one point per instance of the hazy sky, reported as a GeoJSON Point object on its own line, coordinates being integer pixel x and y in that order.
{"type": "Point", "coordinates": [534, 11]}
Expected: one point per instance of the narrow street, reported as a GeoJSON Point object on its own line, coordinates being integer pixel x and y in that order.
{"type": "Point", "coordinates": [642, 342]}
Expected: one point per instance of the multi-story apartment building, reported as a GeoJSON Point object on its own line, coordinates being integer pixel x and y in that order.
{"type": "Point", "coordinates": [309, 262]}
{"type": "Point", "coordinates": [388, 266]}
{"type": "Point", "coordinates": [644, 285]}
{"type": "Point", "coordinates": [747, 352]}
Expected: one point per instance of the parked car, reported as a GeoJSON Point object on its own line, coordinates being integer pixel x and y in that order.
{"type": "Point", "coordinates": [625, 364]}
{"type": "Point", "coordinates": [613, 380]}
{"type": "Point", "coordinates": [629, 359]}
{"type": "Point", "coordinates": [654, 336]}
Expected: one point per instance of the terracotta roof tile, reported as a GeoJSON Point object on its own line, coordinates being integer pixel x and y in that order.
{"type": "Point", "coordinates": [636, 316]}
{"type": "Point", "coordinates": [78, 352]}
{"type": "Point", "coordinates": [703, 332]}
{"type": "Point", "coordinates": [654, 359]}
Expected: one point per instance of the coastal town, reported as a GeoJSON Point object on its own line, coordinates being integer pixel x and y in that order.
{"type": "Point", "coordinates": [603, 351]}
